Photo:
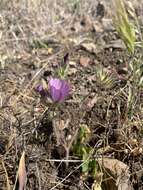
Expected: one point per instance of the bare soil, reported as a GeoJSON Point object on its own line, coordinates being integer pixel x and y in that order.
{"type": "Point", "coordinates": [25, 122]}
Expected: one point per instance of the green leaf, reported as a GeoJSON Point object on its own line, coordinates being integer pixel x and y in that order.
{"type": "Point", "coordinates": [93, 167]}
{"type": "Point", "coordinates": [96, 186]}
{"type": "Point", "coordinates": [85, 165]}
{"type": "Point", "coordinates": [125, 28]}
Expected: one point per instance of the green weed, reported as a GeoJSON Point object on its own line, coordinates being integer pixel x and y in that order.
{"type": "Point", "coordinates": [129, 30]}
{"type": "Point", "coordinates": [104, 78]}
{"type": "Point", "coordinates": [38, 44]}
{"type": "Point", "coordinates": [124, 27]}
{"type": "Point", "coordinates": [74, 5]}
{"type": "Point", "coordinates": [85, 152]}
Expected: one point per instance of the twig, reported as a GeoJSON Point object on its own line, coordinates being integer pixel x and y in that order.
{"type": "Point", "coordinates": [38, 176]}
{"type": "Point", "coordinates": [65, 160]}
{"type": "Point", "coordinates": [7, 180]}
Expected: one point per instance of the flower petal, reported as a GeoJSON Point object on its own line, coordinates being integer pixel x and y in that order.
{"type": "Point", "coordinates": [55, 94]}
{"type": "Point", "coordinates": [55, 83]}
{"type": "Point", "coordinates": [59, 89]}
{"type": "Point", "coordinates": [64, 90]}
{"type": "Point", "coordinates": [41, 90]}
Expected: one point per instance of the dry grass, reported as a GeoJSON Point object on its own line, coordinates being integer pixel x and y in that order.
{"type": "Point", "coordinates": [21, 110]}
{"type": "Point", "coordinates": [24, 20]}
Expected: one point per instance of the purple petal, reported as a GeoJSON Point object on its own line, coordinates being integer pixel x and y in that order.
{"type": "Point", "coordinates": [55, 83]}
{"type": "Point", "coordinates": [65, 89]}
{"type": "Point", "coordinates": [59, 89]}
{"type": "Point", "coordinates": [55, 94]}
{"type": "Point", "coordinates": [41, 90]}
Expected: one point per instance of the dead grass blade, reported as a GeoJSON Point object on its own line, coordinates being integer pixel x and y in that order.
{"type": "Point", "coordinates": [6, 174]}
{"type": "Point", "coordinates": [21, 174]}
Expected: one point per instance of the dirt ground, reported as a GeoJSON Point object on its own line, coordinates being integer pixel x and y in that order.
{"type": "Point", "coordinates": [35, 40]}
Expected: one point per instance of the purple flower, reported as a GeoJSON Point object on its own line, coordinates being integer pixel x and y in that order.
{"type": "Point", "coordinates": [41, 90]}
{"type": "Point", "coordinates": [58, 89]}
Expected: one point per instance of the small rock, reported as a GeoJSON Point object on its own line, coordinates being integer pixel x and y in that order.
{"type": "Point", "coordinates": [107, 24]}
{"type": "Point", "coordinates": [116, 44]}
{"type": "Point", "coordinates": [90, 47]}
{"type": "Point", "coordinates": [72, 63]}
{"type": "Point", "coordinates": [85, 61]}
